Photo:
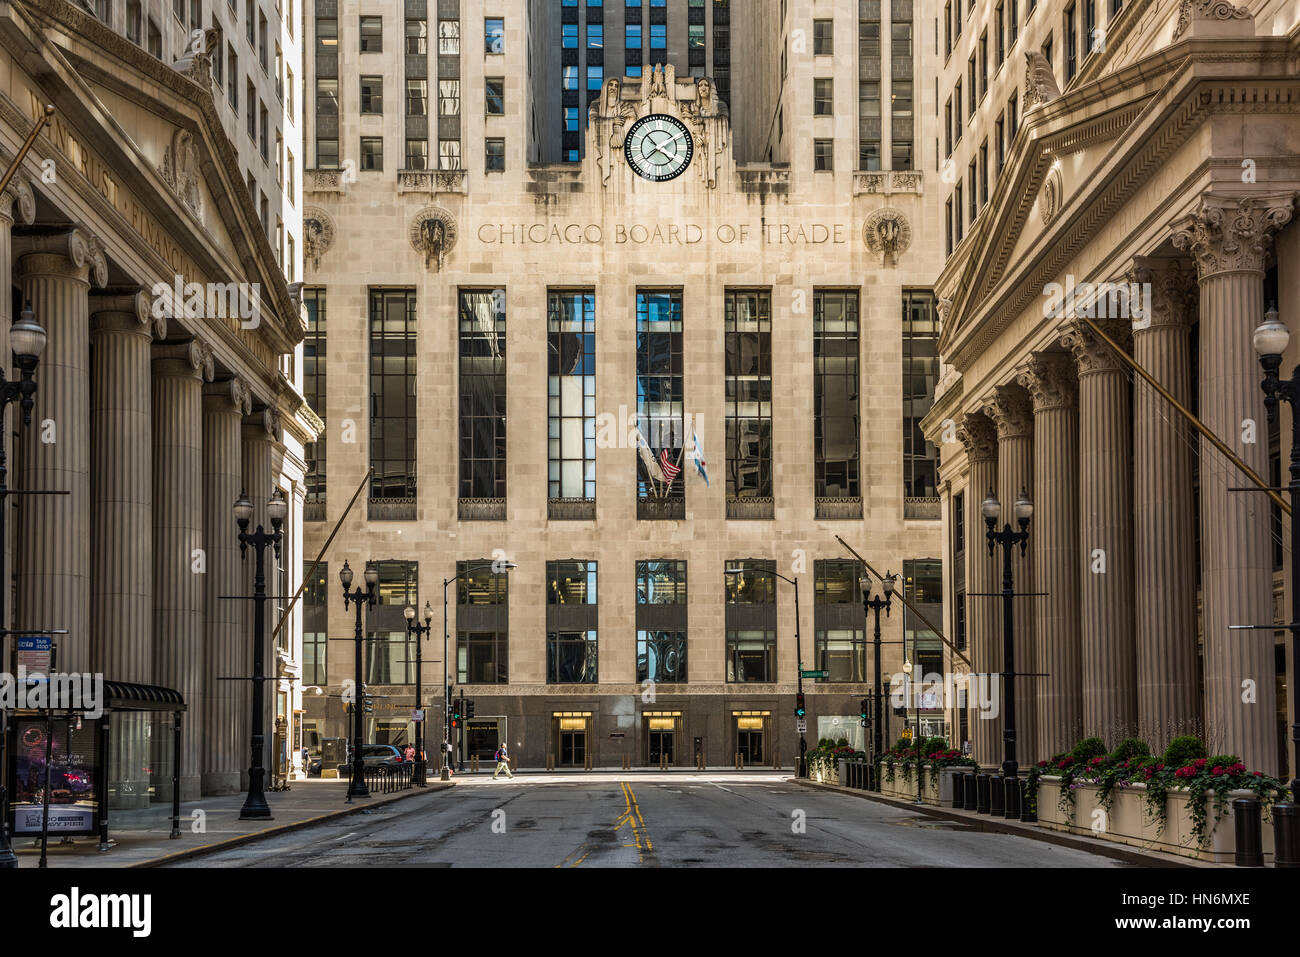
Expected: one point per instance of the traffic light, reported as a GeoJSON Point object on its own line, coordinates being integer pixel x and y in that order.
{"type": "Point", "coordinates": [469, 707]}
{"type": "Point", "coordinates": [455, 715]}
{"type": "Point", "coordinates": [864, 714]}
{"type": "Point", "coordinates": [798, 705]}
{"type": "Point", "coordinates": [368, 705]}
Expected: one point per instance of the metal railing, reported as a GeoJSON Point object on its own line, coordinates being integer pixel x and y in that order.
{"type": "Point", "coordinates": [387, 778]}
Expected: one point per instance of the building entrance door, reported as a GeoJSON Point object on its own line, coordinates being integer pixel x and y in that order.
{"type": "Point", "coordinates": [573, 748]}
{"type": "Point", "coordinates": [662, 747]}
{"type": "Point", "coordinates": [750, 745]}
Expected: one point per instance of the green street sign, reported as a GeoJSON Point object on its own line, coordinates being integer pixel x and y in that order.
{"type": "Point", "coordinates": [814, 674]}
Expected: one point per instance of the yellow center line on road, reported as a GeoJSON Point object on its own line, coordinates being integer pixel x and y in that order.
{"type": "Point", "coordinates": [631, 815]}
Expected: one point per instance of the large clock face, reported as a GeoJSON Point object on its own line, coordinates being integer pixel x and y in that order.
{"type": "Point", "coordinates": [658, 147]}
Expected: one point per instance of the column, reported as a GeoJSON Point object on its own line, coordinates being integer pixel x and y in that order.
{"type": "Point", "coordinates": [122, 329]}
{"type": "Point", "coordinates": [1229, 238]}
{"type": "Point", "coordinates": [224, 753]}
{"type": "Point", "coordinates": [1105, 535]}
{"type": "Point", "coordinates": [53, 573]}
{"type": "Point", "coordinates": [1054, 550]}
{"type": "Point", "coordinates": [979, 436]}
{"type": "Point", "coordinates": [1012, 412]}
{"type": "Point", "coordinates": [1164, 542]}
{"type": "Point", "coordinates": [259, 430]}
{"type": "Point", "coordinates": [16, 203]}
{"type": "Point", "coordinates": [179, 560]}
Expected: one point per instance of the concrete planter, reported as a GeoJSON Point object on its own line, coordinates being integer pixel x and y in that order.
{"type": "Point", "coordinates": [936, 785]}
{"type": "Point", "coordinates": [1127, 821]}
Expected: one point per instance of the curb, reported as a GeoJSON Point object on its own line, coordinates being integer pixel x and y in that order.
{"type": "Point", "coordinates": [984, 822]}
{"type": "Point", "coordinates": [228, 843]}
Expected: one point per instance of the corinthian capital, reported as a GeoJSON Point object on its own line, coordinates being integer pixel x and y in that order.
{"type": "Point", "coordinates": [1232, 234]}
{"type": "Point", "coordinates": [1049, 378]}
{"type": "Point", "coordinates": [979, 436]}
{"type": "Point", "coordinates": [1168, 287]}
{"type": "Point", "coordinates": [1090, 351]}
{"type": "Point", "coordinates": [1012, 411]}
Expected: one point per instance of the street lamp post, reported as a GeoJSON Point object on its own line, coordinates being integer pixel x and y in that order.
{"type": "Point", "coordinates": [1270, 340]}
{"type": "Point", "coordinates": [446, 702]}
{"type": "Point", "coordinates": [255, 806]}
{"type": "Point", "coordinates": [28, 341]}
{"type": "Point", "coordinates": [870, 605]}
{"type": "Point", "coordinates": [1008, 538]}
{"type": "Point", "coordinates": [362, 596]}
{"type": "Point", "coordinates": [798, 648]}
{"type": "Point", "coordinates": [419, 633]}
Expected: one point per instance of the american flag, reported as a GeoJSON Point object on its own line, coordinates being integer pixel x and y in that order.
{"type": "Point", "coordinates": [670, 468]}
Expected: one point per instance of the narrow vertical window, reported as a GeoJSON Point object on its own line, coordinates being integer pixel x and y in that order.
{"type": "Point", "coordinates": [482, 404]}
{"type": "Point", "coordinates": [571, 398]}
{"type": "Point", "coordinates": [571, 640]}
{"type": "Point", "coordinates": [835, 402]}
{"type": "Point", "coordinates": [660, 404]}
{"type": "Point", "coordinates": [748, 403]}
{"type": "Point", "coordinates": [314, 391]}
{"type": "Point", "coordinates": [392, 398]}
{"type": "Point", "coordinates": [920, 376]}
{"type": "Point", "coordinates": [751, 620]}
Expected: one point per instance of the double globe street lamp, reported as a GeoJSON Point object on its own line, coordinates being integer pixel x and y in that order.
{"type": "Point", "coordinates": [255, 806]}
{"type": "Point", "coordinates": [1008, 538]}
{"type": "Point", "coordinates": [366, 597]}
{"type": "Point", "coordinates": [27, 340]}
{"type": "Point", "coordinates": [419, 632]}
{"type": "Point", "coordinates": [1270, 341]}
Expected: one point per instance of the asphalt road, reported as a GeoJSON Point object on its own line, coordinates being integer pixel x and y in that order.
{"type": "Point", "coordinates": [643, 820]}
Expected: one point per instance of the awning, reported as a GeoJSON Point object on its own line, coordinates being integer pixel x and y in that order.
{"type": "Point", "coordinates": [128, 696]}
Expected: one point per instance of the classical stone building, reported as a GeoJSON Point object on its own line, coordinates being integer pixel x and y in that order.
{"type": "Point", "coordinates": [153, 410]}
{"type": "Point", "coordinates": [1151, 146]}
{"type": "Point", "coordinates": [493, 321]}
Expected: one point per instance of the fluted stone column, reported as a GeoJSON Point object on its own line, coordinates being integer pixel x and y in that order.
{"type": "Point", "coordinates": [121, 446]}
{"type": "Point", "coordinates": [179, 560]}
{"type": "Point", "coordinates": [55, 272]}
{"type": "Point", "coordinates": [224, 406]}
{"type": "Point", "coordinates": [1054, 549]}
{"type": "Point", "coordinates": [17, 203]}
{"type": "Point", "coordinates": [259, 430]}
{"type": "Point", "coordinates": [1105, 535]}
{"type": "Point", "coordinates": [1012, 412]}
{"type": "Point", "coordinates": [1229, 238]}
{"type": "Point", "coordinates": [979, 436]}
{"type": "Point", "coordinates": [1164, 533]}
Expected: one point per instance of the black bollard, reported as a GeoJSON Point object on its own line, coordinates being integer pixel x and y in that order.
{"type": "Point", "coordinates": [1286, 835]}
{"type": "Point", "coordinates": [982, 793]}
{"type": "Point", "coordinates": [1250, 839]}
{"type": "Point", "coordinates": [1028, 811]}
{"type": "Point", "coordinates": [1011, 798]}
{"type": "Point", "coordinates": [997, 796]}
{"type": "Point", "coordinates": [958, 790]}
{"type": "Point", "coordinates": [970, 790]}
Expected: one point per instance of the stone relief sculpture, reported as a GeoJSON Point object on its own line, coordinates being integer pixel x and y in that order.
{"type": "Point", "coordinates": [1040, 82]}
{"type": "Point", "coordinates": [318, 234]}
{"type": "Point", "coordinates": [433, 233]}
{"type": "Point", "coordinates": [887, 234]}
{"type": "Point", "coordinates": [180, 169]}
{"type": "Point", "coordinates": [196, 62]}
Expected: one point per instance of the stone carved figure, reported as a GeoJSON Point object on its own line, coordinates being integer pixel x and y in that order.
{"type": "Point", "coordinates": [887, 234]}
{"type": "Point", "coordinates": [433, 233]}
{"type": "Point", "coordinates": [1040, 82]}
{"type": "Point", "coordinates": [180, 169]}
{"type": "Point", "coordinates": [318, 234]}
{"type": "Point", "coordinates": [196, 62]}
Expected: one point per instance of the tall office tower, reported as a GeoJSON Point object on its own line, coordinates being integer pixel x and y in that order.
{"type": "Point", "coordinates": [564, 262]}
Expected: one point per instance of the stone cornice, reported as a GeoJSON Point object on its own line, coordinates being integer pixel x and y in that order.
{"type": "Point", "coordinates": [1195, 89]}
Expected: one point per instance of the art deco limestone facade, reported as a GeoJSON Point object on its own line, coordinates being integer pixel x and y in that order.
{"type": "Point", "coordinates": [1159, 148]}
{"type": "Point", "coordinates": [140, 403]}
{"type": "Point", "coordinates": [595, 225]}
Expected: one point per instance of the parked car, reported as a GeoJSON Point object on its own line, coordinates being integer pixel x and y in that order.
{"type": "Point", "coordinates": [378, 756]}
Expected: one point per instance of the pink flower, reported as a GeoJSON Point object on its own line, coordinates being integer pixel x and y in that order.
{"type": "Point", "coordinates": [1200, 762]}
{"type": "Point", "coordinates": [1216, 770]}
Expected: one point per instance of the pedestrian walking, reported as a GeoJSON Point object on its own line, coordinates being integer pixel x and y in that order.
{"type": "Point", "coordinates": [446, 747]}
{"type": "Point", "coordinates": [306, 762]}
{"type": "Point", "coordinates": [503, 763]}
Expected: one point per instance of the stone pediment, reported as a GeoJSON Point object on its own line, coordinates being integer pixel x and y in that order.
{"type": "Point", "coordinates": [694, 102]}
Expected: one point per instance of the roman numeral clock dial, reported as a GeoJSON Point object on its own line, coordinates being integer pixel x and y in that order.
{"type": "Point", "coordinates": [658, 147]}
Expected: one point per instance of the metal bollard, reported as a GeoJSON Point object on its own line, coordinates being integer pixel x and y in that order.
{"type": "Point", "coordinates": [1011, 798]}
{"type": "Point", "coordinates": [1250, 838]}
{"type": "Point", "coordinates": [982, 790]}
{"type": "Point", "coordinates": [970, 791]}
{"type": "Point", "coordinates": [1028, 812]}
{"type": "Point", "coordinates": [997, 796]}
{"type": "Point", "coordinates": [958, 790]}
{"type": "Point", "coordinates": [1286, 834]}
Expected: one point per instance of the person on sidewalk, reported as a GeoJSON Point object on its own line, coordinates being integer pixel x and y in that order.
{"type": "Point", "coordinates": [503, 763]}
{"type": "Point", "coordinates": [446, 747]}
{"type": "Point", "coordinates": [409, 753]}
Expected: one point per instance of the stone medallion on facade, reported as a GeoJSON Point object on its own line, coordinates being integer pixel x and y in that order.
{"type": "Point", "coordinates": [1049, 196]}
{"type": "Point", "coordinates": [433, 234]}
{"type": "Point", "coordinates": [887, 234]}
{"type": "Point", "coordinates": [317, 233]}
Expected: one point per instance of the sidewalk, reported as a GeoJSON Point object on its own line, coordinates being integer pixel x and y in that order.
{"type": "Point", "coordinates": [985, 822]}
{"type": "Point", "coordinates": [306, 803]}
